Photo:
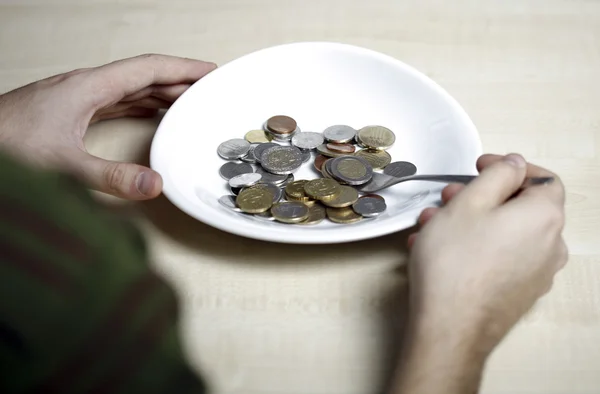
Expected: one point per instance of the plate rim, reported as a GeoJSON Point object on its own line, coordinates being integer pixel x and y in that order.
{"type": "Point", "coordinates": [311, 236]}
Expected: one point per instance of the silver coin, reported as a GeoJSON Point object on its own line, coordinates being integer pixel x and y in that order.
{"type": "Point", "coordinates": [261, 148]}
{"type": "Point", "coordinates": [340, 134]}
{"type": "Point", "coordinates": [231, 169]}
{"type": "Point", "coordinates": [245, 180]}
{"type": "Point", "coordinates": [274, 189]}
{"type": "Point", "coordinates": [265, 216]}
{"type": "Point", "coordinates": [281, 159]}
{"type": "Point", "coordinates": [307, 140]}
{"type": "Point", "coordinates": [267, 177]}
{"type": "Point", "coordinates": [306, 156]}
{"type": "Point", "coordinates": [249, 157]}
{"type": "Point", "coordinates": [400, 169]}
{"type": "Point", "coordinates": [233, 149]}
{"type": "Point", "coordinates": [369, 206]}
{"type": "Point", "coordinates": [228, 201]}
{"type": "Point", "coordinates": [281, 137]}
{"type": "Point", "coordinates": [339, 170]}
{"type": "Point", "coordinates": [290, 210]}
{"type": "Point", "coordinates": [287, 181]}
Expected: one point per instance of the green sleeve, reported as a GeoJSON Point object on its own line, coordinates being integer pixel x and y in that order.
{"type": "Point", "coordinates": [80, 309]}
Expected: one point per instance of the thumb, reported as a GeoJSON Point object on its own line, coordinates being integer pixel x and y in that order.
{"type": "Point", "coordinates": [495, 184]}
{"type": "Point", "coordinates": [126, 180]}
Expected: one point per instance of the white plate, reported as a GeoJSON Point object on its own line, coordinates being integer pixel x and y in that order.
{"type": "Point", "coordinates": [319, 85]}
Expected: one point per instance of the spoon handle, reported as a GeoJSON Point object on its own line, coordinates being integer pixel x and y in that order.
{"type": "Point", "coordinates": [467, 178]}
{"type": "Point", "coordinates": [441, 178]}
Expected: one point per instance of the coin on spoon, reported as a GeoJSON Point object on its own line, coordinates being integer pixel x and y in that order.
{"type": "Point", "coordinates": [400, 169]}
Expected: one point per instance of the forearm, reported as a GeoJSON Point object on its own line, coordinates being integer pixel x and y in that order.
{"type": "Point", "coordinates": [438, 357]}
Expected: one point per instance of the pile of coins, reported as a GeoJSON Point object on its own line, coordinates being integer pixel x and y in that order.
{"type": "Point", "coordinates": [270, 191]}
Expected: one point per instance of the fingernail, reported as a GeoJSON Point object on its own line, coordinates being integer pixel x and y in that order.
{"type": "Point", "coordinates": [515, 160]}
{"type": "Point", "coordinates": [144, 183]}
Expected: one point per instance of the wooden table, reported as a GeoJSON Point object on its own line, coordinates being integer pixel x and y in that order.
{"type": "Point", "coordinates": [273, 319]}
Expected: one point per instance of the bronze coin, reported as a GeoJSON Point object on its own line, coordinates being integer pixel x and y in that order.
{"type": "Point", "coordinates": [282, 124]}
{"type": "Point", "coordinates": [322, 149]}
{"type": "Point", "coordinates": [341, 148]}
{"type": "Point", "coordinates": [319, 160]}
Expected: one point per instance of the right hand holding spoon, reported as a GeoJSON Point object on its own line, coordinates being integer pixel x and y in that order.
{"type": "Point", "coordinates": [477, 266]}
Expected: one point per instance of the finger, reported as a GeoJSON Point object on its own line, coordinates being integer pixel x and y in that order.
{"type": "Point", "coordinates": [168, 93]}
{"type": "Point", "coordinates": [493, 186]}
{"type": "Point", "coordinates": [450, 191]}
{"type": "Point", "coordinates": [487, 160]}
{"type": "Point", "coordinates": [555, 191]}
{"type": "Point", "coordinates": [114, 81]}
{"type": "Point", "coordinates": [120, 110]}
{"type": "Point", "coordinates": [152, 102]}
{"type": "Point", "coordinates": [134, 112]}
{"type": "Point", "coordinates": [562, 254]}
{"type": "Point", "coordinates": [426, 215]}
{"type": "Point", "coordinates": [411, 240]}
{"type": "Point", "coordinates": [125, 180]}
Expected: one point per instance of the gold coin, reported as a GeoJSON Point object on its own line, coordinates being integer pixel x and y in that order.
{"type": "Point", "coordinates": [257, 137]}
{"type": "Point", "coordinates": [343, 215]}
{"type": "Point", "coordinates": [322, 189]}
{"type": "Point", "coordinates": [290, 212]}
{"type": "Point", "coordinates": [316, 214]}
{"type": "Point", "coordinates": [376, 137]}
{"type": "Point", "coordinates": [306, 200]}
{"type": "Point", "coordinates": [376, 158]}
{"type": "Point", "coordinates": [296, 190]}
{"type": "Point", "coordinates": [347, 197]}
{"type": "Point", "coordinates": [254, 200]}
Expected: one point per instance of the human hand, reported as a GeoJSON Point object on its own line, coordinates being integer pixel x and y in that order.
{"type": "Point", "coordinates": [484, 259]}
{"type": "Point", "coordinates": [477, 265]}
{"type": "Point", "coordinates": [45, 122]}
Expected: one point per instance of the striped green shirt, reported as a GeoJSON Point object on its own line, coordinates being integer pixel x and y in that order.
{"type": "Point", "coordinates": [80, 309]}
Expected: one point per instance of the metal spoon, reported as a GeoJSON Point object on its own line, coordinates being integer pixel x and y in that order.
{"type": "Point", "coordinates": [382, 181]}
